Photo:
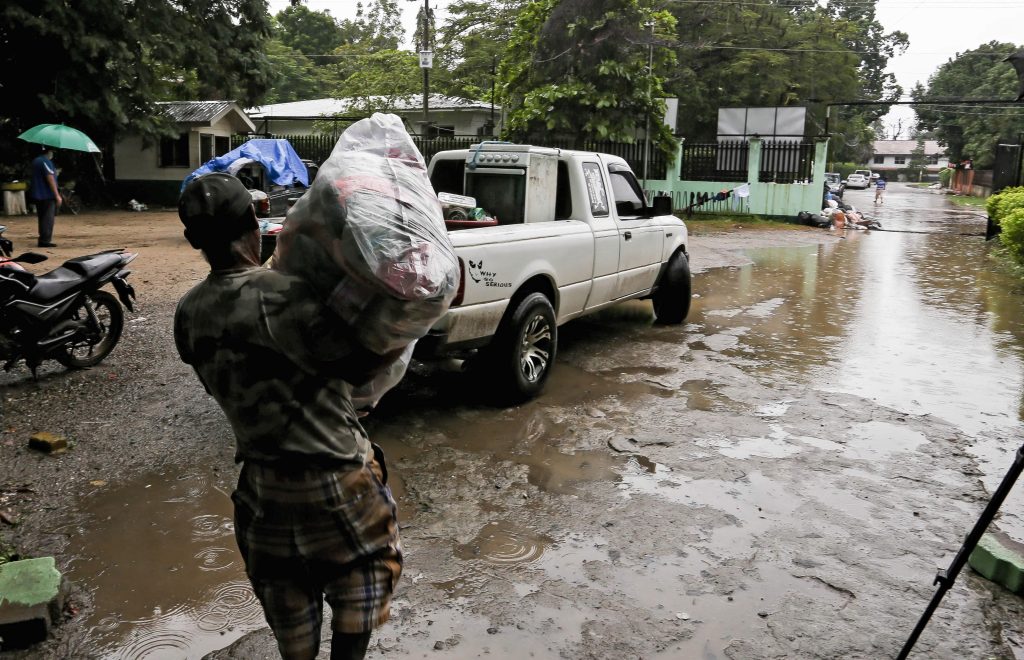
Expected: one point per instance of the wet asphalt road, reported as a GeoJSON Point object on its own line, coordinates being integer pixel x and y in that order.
{"type": "Point", "coordinates": [780, 477]}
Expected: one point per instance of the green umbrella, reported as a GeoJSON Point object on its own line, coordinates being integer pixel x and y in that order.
{"type": "Point", "coordinates": [60, 136]}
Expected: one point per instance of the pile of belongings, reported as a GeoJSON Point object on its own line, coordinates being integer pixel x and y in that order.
{"type": "Point", "coordinates": [370, 238]}
{"type": "Point", "coordinates": [836, 214]}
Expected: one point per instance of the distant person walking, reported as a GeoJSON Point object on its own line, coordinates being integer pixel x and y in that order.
{"type": "Point", "coordinates": [880, 190]}
{"type": "Point", "coordinates": [45, 194]}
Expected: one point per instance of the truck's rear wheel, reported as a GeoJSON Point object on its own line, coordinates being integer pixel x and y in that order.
{"type": "Point", "coordinates": [672, 297]}
{"type": "Point", "coordinates": [523, 350]}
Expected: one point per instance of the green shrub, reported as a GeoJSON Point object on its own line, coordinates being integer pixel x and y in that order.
{"type": "Point", "coordinates": [945, 175]}
{"type": "Point", "coordinates": [846, 169]}
{"type": "Point", "coordinates": [1012, 235]}
{"type": "Point", "coordinates": [1000, 205]}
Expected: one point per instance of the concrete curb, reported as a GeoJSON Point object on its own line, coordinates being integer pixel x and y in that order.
{"type": "Point", "coordinates": [1000, 559]}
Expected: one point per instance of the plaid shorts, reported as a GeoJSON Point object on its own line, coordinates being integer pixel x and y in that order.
{"type": "Point", "coordinates": [308, 534]}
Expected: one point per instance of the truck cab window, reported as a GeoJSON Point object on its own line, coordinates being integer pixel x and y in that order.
{"type": "Point", "coordinates": [629, 198]}
{"type": "Point", "coordinates": [563, 196]}
{"type": "Point", "coordinates": [447, 177]}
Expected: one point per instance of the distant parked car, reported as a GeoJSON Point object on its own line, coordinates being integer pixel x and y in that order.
{"type": "Point", "coordinates": [867, 173]}
{"type": "Point", "coordinates": [835, 182]}
{"type": "Point", "coordinates": [857, 181]}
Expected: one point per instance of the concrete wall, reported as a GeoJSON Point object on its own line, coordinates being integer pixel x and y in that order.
{"type": "Point", "coordinates": [766, 199]}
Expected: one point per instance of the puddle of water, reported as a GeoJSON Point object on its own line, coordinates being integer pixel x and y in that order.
{"type": "Point", "coordinates": [502, 542]}
{"type": "Point", "coordinates": [917, 322]}
{"type": "Point", "coordinates": [160, 559]}
{"type": "Point", "coordinates": [869, 439]}
{"type": "Point", "coordinates": [775, 445]}
{"type": "Point", "coordinates": [705, 395]}
{"type": "Point", "coordinates": [567, 559]}
{"type": "Point", "coordinates": [530, 435]}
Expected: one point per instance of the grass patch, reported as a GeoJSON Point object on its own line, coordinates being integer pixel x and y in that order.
{"type": "Point", "coordinates": [967, 200]}
{"type": "Point", "coordinates": [710, 223]}
{"type": "Point", "coordinates": [923, 184]}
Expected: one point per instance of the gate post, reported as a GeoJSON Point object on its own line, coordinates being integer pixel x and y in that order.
{"type": "Point", "coordinates": [754, 160]}
{"type": "Point", "coordinates": [675, 168]}
{"type": "Point", "coordinates": [818, 172]}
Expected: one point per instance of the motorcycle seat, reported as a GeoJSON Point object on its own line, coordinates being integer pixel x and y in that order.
{"type": "Point", "coordinates": [55, 283]}
{"type": "Point", "coordinates": [93, 264]}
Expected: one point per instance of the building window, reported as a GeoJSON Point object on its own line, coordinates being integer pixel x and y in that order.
{"type": "Point", "coordinates": [933, 160]}
{"type": "Point", "coordinates": [205, 147]}
{"type": "Point", "coordinates": [174, 151]}
{"type": "Point", "coordinates": [223, 144]}
{"type": "Point", "coordinates": [879, 159]}
{"type": "Point", "coordinates": [901, 160]}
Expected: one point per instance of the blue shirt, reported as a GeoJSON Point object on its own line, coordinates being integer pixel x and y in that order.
{"type": "Point", "coordinates": [41, 167]}
{"type": "Point", "coordinates": [880, 184]}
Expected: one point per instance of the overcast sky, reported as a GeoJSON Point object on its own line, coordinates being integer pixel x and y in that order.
{"type": "Point", "coordinates": [938, 30]}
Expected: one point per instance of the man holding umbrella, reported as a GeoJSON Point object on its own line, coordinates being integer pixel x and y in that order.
{"type": "Point", "coordinates": [45, 194]}
{"type": "Point", "coordinates": [44, 175]}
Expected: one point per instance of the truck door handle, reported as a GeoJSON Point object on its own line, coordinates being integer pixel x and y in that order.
{"type": "Point", "coordinates": [628, 235]}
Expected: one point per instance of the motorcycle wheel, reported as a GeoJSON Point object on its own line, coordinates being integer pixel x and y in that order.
{"type": "Point", "coordinates": [89, 350]}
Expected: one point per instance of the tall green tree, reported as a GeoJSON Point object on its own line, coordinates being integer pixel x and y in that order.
{"type": "Point", "coordinates": [577, 70]}
{"type": "Point", "coordinates": [471, 44]}
{"type": "Point", "coordinates": [100, 65]}
{"type": "Point", "coordinates": [973, 131]}
{"type": "Point", "coordinates": [312, 33]}
{"type": "Point", "coordinates": [294, 76]}
{"type": "Point", "coordinates": [796, 52]}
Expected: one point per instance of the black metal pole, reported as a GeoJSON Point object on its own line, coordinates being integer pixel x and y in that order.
{"type": "Point", "coordinates": [946, 578]}
{"type": "Point", "coordinates": [426, 70]}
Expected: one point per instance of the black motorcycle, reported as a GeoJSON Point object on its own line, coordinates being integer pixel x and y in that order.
{"type": "Point", "coordinates": [62, 315]}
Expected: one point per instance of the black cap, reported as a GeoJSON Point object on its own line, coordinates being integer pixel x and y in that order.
{"type": "Point", "coordinates": [214, 197]}
{"type": "Point", "coordinates": [216, 207]}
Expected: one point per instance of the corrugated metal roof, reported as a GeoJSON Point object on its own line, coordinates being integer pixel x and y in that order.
{"type": "Point", "coordinates": [906, 147]}
{"type": "Point", "coordinates": [329, 107]}
{"type": "Point", "coordinates": [194, 111]}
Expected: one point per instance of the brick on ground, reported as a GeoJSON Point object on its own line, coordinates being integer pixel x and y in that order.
{"type": "Point", "coordinates": [48, 442]}
{"type": "Point", "coordinates": [31, 599]}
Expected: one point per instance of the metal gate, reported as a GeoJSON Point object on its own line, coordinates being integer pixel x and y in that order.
{"type": "Point", "coordinates": [1007, 169]}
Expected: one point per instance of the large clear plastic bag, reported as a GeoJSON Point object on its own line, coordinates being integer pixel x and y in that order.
{"type": "Point", "coordinates": [369, 236]}
{"type": "Point", "coordinates": [366, 396]}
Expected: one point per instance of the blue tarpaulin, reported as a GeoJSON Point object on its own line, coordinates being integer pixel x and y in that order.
{"type": "Point", "coordinates": [278, 158]}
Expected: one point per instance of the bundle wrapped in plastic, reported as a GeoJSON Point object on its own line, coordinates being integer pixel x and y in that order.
{"type": "Point", "coordinates": [369, 236]}
{"type": "Point", "coordinates": [366, 396]}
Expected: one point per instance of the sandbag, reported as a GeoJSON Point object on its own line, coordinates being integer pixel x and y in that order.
{"type": "Point", "coordinates": [370, 238]}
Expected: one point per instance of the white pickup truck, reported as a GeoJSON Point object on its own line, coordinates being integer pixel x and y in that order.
{"type": "Point", "coordinates": [567, 233]}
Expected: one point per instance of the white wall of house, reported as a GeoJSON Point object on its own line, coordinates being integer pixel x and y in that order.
{"type": "Point", "coordinates": [133, 161]}
{"type": "Point", "coordinates": [892, 162]}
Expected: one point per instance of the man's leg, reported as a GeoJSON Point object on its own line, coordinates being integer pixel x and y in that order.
{"type": "Point", "coordinates": [46, 211]}
{"type": "Point", "coordinates": [294, 612]}
{"type": "Point", "coordinates": [349, 646]}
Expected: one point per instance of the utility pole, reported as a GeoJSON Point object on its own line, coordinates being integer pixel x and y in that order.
{"type": "Point", "coordinates": [494, 73]}
{"type": "Point", "coordinates": [426, 62]}
{"type": "Point", "coordinates": [647, 120]}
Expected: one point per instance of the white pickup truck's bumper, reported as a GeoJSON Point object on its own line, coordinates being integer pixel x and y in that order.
{"type": "Point", "coordinates": [466, 327]}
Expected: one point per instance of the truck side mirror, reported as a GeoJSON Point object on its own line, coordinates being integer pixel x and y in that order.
{"type": "Point", "coordinates": [661, 205]}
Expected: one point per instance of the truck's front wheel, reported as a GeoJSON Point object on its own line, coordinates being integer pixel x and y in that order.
{"type": "Point", "coordinates": [523, 350]}
{"type": "Point", "coordinates": [672, 297]}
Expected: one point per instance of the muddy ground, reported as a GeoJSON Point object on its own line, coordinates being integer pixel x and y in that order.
{"type": "Point", "coordinates": [677, 492]}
